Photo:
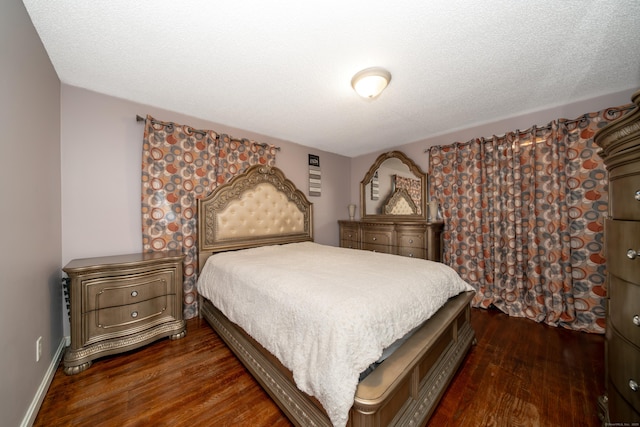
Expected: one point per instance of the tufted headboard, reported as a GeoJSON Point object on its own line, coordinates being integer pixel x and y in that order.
{"type": "Point", "coordinates": [399, 203]}
{"type": "Point", "coordinates": [256, 208]}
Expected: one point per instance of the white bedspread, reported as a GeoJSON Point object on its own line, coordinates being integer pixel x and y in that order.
{"type": "Point", "coordinates": [325, 312]}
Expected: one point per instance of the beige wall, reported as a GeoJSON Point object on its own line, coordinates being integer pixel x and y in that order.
{"type": "Point", "coordinates": [101, 159]}
{"type": "Point", "coordinates": [30, 292]}
{"type": "Point", "coordinates": [416, 150]}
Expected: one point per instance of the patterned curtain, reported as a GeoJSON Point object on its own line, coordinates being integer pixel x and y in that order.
{"type": "Point", "coordinates": [179, 165]}
{"type": "Point", "coordinates": [524, 220]}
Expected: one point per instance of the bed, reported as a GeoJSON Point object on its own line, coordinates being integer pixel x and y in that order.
{"type": "Point", "coordinates": [260, 211]}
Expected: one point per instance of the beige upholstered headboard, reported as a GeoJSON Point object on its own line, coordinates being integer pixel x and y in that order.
{"type": "Point", "coordinates": [399, 203]}
{"type": "Point", "coordinates": [259, 207]}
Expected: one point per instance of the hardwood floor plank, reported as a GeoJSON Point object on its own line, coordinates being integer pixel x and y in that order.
{"type": "Point", "coordinates": [519, 374]}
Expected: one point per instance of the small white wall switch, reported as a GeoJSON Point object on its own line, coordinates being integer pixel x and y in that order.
{"type": "Point", "coordinates": [38, 349]}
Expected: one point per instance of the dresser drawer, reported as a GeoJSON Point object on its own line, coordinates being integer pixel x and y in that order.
{"type": "Point", "coordinates": [412, 252]}
{"type": "Point", "coordinates": [412, 240]}
{"type": "Point", "coordinates": [127, 319]}
{"type": "Point", "coordinates": [350, 244]}
{"type": "Point", "coordinates": [624, 308]}
{"type": "Point", "coordinates": [122, 290]}
{"type": "Point", "coordinates": [376, 238]}
{"type": "Point", "coordinates": [417, 239]}
{"type": "Point", "coordinates": [349, 236]}
{"type": "Point", "coordinates": [624, 368]}
{"type": "Point", "coordinates": [624, 197]}
{"type": "Point", "coordinates": [348, 232]}
{"type": "Point", "coordinates": [385, 249]}
{"type": "Point", "coordinates": [622, 239]}
{"type": "Point", "coordinates": [620, 412]}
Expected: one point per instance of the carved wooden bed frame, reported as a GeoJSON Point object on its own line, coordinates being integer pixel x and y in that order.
{"type": "Point", "coordinates": [262, 207]}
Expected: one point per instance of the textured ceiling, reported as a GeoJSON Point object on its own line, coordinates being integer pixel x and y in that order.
{"type": "Point", "coordinates": [283, 68]}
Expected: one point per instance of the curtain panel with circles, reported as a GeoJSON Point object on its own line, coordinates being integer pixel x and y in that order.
{"type": "Point", "coordinates": [179, 165]}
{"type": "Point", "coordinates": [524, 219]}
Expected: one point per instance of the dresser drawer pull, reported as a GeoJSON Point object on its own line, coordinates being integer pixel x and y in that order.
{"type": "Point", "coordinates": [134, 294]}
{"type": "Point", "coordinates": [410, 240]}
{"type": "Point", "coordinates": [134, 314]}
{"type": "Point", "coordinates": [631, 254]}
{"type": "Point", "coordinates": [410, 255]}
{"type": "Point", "coordinates": [374, 239]}
{"type": "Point", "coordinates": [637, 195]}
{"type": "Point", "coordinates": [633, 385]}
{"type": "Point", "coordinates": [636, 320]}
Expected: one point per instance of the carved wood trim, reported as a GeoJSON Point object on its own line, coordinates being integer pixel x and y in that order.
{"type": "Point", "coordinates": [399, 196]}
{"type": "Point", "coordinates": [221, 198]}
{"type": "Point", "coordinates": [414, 168]}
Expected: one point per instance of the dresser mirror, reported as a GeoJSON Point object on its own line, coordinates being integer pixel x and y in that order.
{"type": "Point", "coordinates": [393, 188]}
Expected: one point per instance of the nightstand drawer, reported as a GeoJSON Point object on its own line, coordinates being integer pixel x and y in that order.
{"type": "Point", "coordinates": [624, 308]}
{"type": "Point", "coordinates": [624, 369]}
{"type": "Point", "coordinates": [624, 200]}
{"type": "Point", "coordinates": [116, 291]}
{"type": "Point", "coordinates": [119, 321]}
{"type": "Point", "coordinates": [622, 239]}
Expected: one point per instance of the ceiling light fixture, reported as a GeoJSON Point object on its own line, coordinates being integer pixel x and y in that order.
{"type": "Point", "coordinates": [370, 82]}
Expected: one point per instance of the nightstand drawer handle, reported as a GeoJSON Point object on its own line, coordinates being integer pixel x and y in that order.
{"type": "Point", "coordinates": [633, 385]}
{"type": "Point", "coordinates": [637, 195]}
{"type": "Point", "coordinates": [134, 294]}
{"type": "Point", "coordinates": [134, 314]}
{"type": "Point", "coordinates": [631, 254]}
{"type": "Point", "coordinates": [636, 320]}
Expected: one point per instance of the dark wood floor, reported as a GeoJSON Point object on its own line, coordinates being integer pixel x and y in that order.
{"type": "Point", "coordinates": [519, 374]}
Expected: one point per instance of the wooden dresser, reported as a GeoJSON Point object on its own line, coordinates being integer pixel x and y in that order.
{"type": "Point", "coordinates": [119, 303]}
{"type": "Point", "coordinates": [620, 143]}
{"type": "Point", "coordinates": [419, 239]}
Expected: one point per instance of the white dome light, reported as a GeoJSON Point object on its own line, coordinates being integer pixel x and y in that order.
{"type": "Point", "coordinates": [370, 83]}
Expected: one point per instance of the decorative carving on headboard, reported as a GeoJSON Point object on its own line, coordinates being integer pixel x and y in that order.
{"type": "Point", "coordinates": [400, 203]}
{"type": "Point", "coordinates": [260, 206]}
{"type": "Point", "coordinates": [252, 177]}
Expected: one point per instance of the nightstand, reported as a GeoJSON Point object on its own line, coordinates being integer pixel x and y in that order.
{"type": "Point", "coordinates": [119, 303]}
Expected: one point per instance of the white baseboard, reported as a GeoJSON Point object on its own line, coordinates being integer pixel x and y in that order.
{"type": "Point", "coordinates": [31, 414]}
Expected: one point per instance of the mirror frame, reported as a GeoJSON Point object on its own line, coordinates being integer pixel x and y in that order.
{"type": "Point", "coordinates": [415, 169]}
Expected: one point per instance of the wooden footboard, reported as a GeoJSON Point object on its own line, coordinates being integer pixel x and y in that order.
{"type": "Point", "coordinates": [402, 391]}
